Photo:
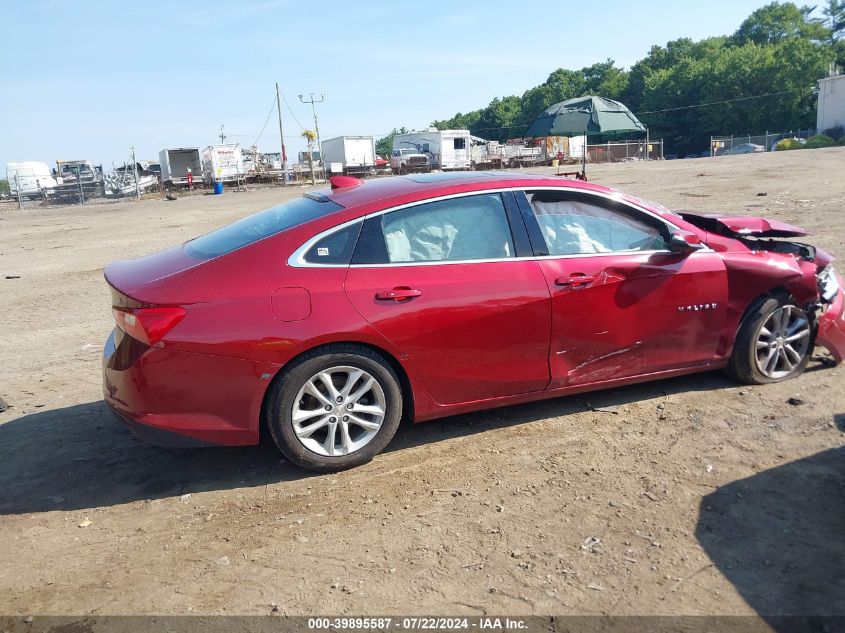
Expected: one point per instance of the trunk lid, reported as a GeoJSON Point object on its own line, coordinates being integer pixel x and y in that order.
{"type": "Point", "coordinates": [136, 278]}
{"type": "Point", "coordinates": [742, 225]}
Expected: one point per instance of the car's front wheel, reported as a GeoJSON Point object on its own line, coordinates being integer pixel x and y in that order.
{"type": "Point", "coordinates": [774, 343]}
{"type": "Point", "coordinates": [334, 409]}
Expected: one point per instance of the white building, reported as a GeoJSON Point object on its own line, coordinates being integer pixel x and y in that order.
{"type": "Point", "coordinates": [831, 112]}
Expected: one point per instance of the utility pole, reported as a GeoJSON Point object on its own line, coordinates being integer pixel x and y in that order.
{"type": "Point", "coordinates": [312, 101]}
{"type": "Point", "coordinates": [135, 172]}
{"type": "Point", "coordinates": [222, 136]}
{"type": "Point", "coordinates": [283, 156]}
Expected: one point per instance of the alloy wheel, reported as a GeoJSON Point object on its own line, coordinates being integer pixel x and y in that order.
{"type": "Point", "coordinates": [782, 342]}
{"type": "Point", "coordinates": [338, 411]}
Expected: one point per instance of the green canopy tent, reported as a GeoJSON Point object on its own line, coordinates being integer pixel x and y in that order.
{"type": "Point", "coordinates": [585, 116]}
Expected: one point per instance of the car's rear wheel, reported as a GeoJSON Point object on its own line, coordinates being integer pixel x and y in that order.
{"type": "Point", "coordinates": [774, 343]}
{"type": "Point", "coordinates": [334, 409]}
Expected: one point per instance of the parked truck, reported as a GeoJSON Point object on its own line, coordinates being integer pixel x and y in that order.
{"type": "Point", "coordinates": [350, 155]}
{"type": "Point", "coordinates": [30, 179]}
{"type": "Point", "coordinates": [78, 180]}
{"type": "Point", "coordinates": [223, 163]}
{"type": "Point", "coordinates": [446, 149]}
{"type": "Point", "coordinates": [175, 164]}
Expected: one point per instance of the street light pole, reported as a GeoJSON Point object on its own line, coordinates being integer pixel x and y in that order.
{"type": "Point", "coordinates": [312, 101]}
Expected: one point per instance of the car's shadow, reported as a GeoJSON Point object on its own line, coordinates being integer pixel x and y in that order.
{"type": "Point", "coordinates": [81, 457]}
{"type": "Point", "coordinates": [777, 536]}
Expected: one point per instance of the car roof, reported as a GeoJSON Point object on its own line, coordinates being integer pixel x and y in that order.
{"type": "Point", "coordinates": [421, 186]}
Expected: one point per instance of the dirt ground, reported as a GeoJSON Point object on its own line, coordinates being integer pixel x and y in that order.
{"type": "Point", "coordinates": [700, 496]}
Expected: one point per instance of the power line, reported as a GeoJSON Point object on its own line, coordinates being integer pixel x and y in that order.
{"type": "Point", "coordinates": [301, 127]}
{"type": "Point", "coordinates": [702, 105]}
{"type": "Point", "coordinates": [266, 121]}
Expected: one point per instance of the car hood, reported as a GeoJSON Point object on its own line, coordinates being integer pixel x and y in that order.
{"type": "Point", "coordinates": [742, 225]}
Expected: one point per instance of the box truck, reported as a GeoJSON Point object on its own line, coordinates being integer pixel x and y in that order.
{"type": "Point", "coordinates": [175, 164]}
{"type": "Point", "coordinates": [350, 154]}
{"type": "Point", "coordinates": [223, 163]}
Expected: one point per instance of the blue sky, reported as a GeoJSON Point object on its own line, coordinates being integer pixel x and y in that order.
{"type": "Point", "coordinates": [89, 79]}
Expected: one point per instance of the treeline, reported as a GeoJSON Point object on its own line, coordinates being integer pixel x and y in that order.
{"type": "Point", "coordinates": [780, 50]}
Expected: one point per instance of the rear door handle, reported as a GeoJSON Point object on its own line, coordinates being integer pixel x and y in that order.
{"type": "Point", "coordinates": [398, 294]}
{"type": "Point", "coordinates": [575, 280]}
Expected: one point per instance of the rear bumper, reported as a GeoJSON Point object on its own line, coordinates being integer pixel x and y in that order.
{"type": "Point", "coordinates": [831, 331]}
{"type": "Point", "coordinates": [176, 398]}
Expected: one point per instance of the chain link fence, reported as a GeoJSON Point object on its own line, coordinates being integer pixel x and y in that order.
{"type": "Point", "coordinates": [721, 144]}
{"type": "Point", "coordinates": [625, 151]}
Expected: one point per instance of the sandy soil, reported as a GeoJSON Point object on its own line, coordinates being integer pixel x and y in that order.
{"type": "Point", "coordinates": [700, 496]}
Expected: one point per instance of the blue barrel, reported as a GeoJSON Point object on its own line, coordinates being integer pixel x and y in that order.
{"type": "Point", "coordinates": [218, 188]}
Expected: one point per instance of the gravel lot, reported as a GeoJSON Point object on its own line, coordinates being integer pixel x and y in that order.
{"type": "Point", "coordinates": [699, 496]}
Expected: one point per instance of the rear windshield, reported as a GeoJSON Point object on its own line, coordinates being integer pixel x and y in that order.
{"type": "Point", "coordinates": [257, 227]}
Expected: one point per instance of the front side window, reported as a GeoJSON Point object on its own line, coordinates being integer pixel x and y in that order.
{"type": "Point", "coordinates": [465, 228]}
{"type": "Point", "coordinates": [581, 225]}
{"type": "Point", "coordinates": [460, 143]}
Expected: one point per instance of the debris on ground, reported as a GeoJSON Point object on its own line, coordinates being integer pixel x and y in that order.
{"type": "Point", "coordinates": [795, 402]}
{"type": "Point", "coordinates": [590, 544]}
{"type": "Point", "coordinates": [85, 523]}
{"type": "Point", "coordinates": [13, 276]}
{"type": "Point", "coordinates": [3, 405]}
{"type": "Point", "coordinates": [608, 409]}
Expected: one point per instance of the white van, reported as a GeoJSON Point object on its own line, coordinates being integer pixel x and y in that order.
{"type": "Point", "coordinates": [32, 178]}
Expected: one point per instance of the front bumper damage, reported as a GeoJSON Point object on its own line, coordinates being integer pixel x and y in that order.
{"type": "Point", "coordinates": [831, 325]}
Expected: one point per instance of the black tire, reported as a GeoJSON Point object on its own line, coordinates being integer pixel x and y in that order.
{"type": "Point", "coordinates": [743, 365]}
{"type": "Point", "coordinates": [280, 401]}
{"type": "Point", "coordinates": [403, 170]}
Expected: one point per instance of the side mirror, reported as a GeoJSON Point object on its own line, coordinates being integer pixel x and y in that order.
{"type": "Point", "coordinates": [684, 242]}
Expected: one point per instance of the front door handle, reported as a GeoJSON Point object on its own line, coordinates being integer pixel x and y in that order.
{"type": "Point", "coordinates": [576, 279]}
{"type": "Point", "coordinates": [398, 294]}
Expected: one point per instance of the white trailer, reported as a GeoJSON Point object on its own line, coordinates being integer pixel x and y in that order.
{"type": "Point", "coordinates": [353, 154]}
{"type": "Point", "coordinates": [223, 163]}
{"type": "Point", "coordinates": [176, 162]}
{"type": "Point", "coordinates": [446, 149]}
{"type": "Point", "coordinates": [30, 179]}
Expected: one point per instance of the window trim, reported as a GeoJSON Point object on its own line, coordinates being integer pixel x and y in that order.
{"type": "Point", "coordinates": [296, 259]}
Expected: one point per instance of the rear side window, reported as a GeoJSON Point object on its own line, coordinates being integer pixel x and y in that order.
{"type": "Point", "coordinates": [465, 228]}
{"type": "Point", "coordinates": [584, 225]}
{"type": "Point", "coordinates": [336, 248]}
{"type": "Point", "coordinates": [257, 227]}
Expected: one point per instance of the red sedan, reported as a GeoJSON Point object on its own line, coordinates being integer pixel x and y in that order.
{"type": "Point", "coordinates": [331, 317]}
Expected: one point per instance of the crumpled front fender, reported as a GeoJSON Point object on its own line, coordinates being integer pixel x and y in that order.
{"type": "Point", "coordinates": [831, 330]}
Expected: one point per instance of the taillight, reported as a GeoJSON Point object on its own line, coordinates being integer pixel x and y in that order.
{"type": "Point", "coordinates": [148, 325]}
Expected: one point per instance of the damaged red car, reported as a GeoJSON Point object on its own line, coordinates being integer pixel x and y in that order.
{"type": "Point", "coordinates": [327, 319]}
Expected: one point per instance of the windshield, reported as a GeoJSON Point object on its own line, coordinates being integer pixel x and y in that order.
{"type": "Point", "coordinates": [257, 227]}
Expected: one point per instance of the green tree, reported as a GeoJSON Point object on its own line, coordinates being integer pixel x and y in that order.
{"type": "Point", "coordinates": [4, 187]}
{"type": "Point", "coordinates": [778, 21]}
{"type": "Point", "coordinates": [760, 78]}
{"type": "Point", "coordinates": [834, 18]}
{"type": "Point", "coordinates": [384, 146]}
